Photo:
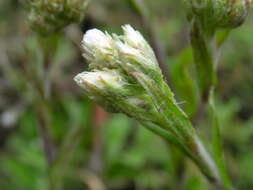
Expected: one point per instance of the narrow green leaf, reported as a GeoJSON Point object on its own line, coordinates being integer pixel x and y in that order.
{"type": "Point", "coordinates": [217, 146]}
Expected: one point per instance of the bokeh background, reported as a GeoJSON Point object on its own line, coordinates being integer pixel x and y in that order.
{"type": "Point", "coordinates": [53, 137]}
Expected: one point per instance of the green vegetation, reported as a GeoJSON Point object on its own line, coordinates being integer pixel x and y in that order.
{"type": "Point", "coordinates": [177, 87]}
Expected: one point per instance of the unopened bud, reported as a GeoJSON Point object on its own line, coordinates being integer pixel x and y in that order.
{"type": "Point", "coordinates": [98, 49]}
{"type": "Point", "coordinates": [48, 16]}
{"type": "Point", "coordinates": [214, 14]}
{"type": "Point", "coordinates": [99, 80]}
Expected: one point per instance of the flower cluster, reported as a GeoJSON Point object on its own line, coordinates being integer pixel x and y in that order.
{"type": "Point", "coordinates": [115, 62]}
{"type": "Point", "coordinates": [48, 16]}
{"type": "Point", "coordinates": [218, 13]}
{"type": "Point", "coordinates": [124, 77]}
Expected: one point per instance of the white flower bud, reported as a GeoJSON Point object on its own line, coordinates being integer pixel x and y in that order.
{"type": "Point", "coordinates": [99, 49]}
{"type": "Point", "coordinates": [126, 50]}
{"type": "Point", "coordinates": [133, 37]}
{"type": "Point", "coordinates": [99, 80]}
{"type": "Point", "coordinates": [137, 60]}
{"type": "Point", "coordinates": [136, 40]}
{"type": "Point", "coordinates": [96, 42]}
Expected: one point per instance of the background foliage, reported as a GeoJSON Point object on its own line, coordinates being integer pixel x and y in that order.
{"type": "Point", "coordinates": [95, 150]}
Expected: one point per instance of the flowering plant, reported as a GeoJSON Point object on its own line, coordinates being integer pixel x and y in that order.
{"type": "Point", "coordinates": [124, 77]}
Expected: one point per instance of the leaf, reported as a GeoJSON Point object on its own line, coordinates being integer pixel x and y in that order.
{"type": "Point", "coordinates": [217, 146]}
{"type": "Point", "coordinates": [184, 85]}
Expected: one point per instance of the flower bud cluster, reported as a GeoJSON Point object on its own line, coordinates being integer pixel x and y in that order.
{"type": "Point", "coordinates": [218, 13]}
{"type": "Point", "coordinates": [113, 62]}
{"type": "Point", "coordinates": [48, 16]}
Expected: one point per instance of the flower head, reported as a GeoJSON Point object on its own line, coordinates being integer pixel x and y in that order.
{"type": "Point", "coordinates": [53, 15]}
{"type": "Point", "coordinates": [214, 14]}
{"type": "Point", "coordinates": [113, 61]}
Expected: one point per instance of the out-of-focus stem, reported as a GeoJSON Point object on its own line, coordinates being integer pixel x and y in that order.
{"type": "Point", "coordinates": [179, 166]}
{"type": "Point", "coordinates": [42, 106]}
{"type": "Point", "coordinates": [99, 117]}
{"type": "Point", "coordinates": [206, 52]}
{"type": "Point", "coordinates": [48, 147]}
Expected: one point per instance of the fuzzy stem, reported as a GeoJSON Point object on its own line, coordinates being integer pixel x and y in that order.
{"type": "Point", "coordinates": [195, 150]}
{"type": "Point", "coordinates": [177, 129]}
{"type": "Point", "coordinates": [206, 163]}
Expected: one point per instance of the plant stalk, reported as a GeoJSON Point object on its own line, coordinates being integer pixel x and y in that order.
{"type": "Point", "coordinates": [206, 50]}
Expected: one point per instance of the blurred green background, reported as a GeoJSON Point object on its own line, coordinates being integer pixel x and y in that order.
{"type": "Point", "coordinates": [93, 150]}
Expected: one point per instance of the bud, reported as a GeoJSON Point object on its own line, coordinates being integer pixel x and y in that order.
{"type": "Point", "coordinates": [135, 60]}
{"type": "Point", "coordinates": [98, 85]}
{"type": "Point", "coordinates": [214, 14]}
{"type": "Point", "coordinates": [134, 39]}
{"type": "Point", "coordinates": [134, 42]}
{"type": "Point", "coordinates": [98, 49]}
{"type": "Point", "coordinates": [236, 14]}
{"type": "Point", "coordinates": [99, 81]}
{"type": "Point", "coordinates": [48, 16]}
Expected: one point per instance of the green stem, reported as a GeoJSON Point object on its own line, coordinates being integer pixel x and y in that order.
{"type": "Point", "coordinates": [203, 46]}
{"type": "Point", "coordinates": [177, 129]}
{"type": "Point", "coordinates": [195, 150]}
{"type": "Point", "coordinates": [206, 49]}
